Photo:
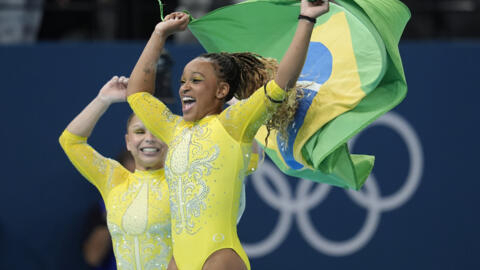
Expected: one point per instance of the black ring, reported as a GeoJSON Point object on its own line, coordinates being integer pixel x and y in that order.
{"type": "Point", "coordinates": [310, 19]}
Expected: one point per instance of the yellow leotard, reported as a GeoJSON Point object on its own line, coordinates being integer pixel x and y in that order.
{"type": "Point", "coordinates": [138, 212]}
{"type": "Point", "coordinates": [205, 167]}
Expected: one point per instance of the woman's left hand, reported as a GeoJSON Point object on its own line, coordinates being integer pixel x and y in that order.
{"type": "Point", "coordinates": [314, 9]}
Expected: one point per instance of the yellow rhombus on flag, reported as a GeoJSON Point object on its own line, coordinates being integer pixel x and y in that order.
{"type": "Point", "coordinates": [353, 74]}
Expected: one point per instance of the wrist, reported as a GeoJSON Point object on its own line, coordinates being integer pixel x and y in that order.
{"type": "Point", "coordinates": [305, 25]}
{"type": "Point", "coordinates": [104, 100]}
{"type": "Point", "coordinates": [158, 33]}
{"type": "Point", "coordinates": [302, 17]}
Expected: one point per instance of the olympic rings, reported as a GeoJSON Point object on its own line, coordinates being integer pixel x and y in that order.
{"type": "Point", "coordinates": [298, 206]}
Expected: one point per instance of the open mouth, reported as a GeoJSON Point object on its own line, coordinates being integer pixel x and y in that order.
{"type": "Point", "coordinates": [149, 150]}
{"type": "Point", "coordinates": [187, 103]}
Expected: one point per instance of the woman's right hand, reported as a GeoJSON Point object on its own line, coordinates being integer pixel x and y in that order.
{"type": "Point", "coordinates": [173, 22]}
{"type": "Point", "coordinates": [114, 90]}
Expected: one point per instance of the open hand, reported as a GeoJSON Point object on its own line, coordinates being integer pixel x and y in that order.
{"type": "Point", "coordinates": [114, 90]}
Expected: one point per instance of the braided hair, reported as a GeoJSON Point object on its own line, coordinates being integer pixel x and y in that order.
{"type": "Point", "coordinates": [246, 72]}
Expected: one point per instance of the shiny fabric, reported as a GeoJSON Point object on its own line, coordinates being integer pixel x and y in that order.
{"type": "Point", "coordinates": [206, 163]}
{"type": "Point", "coordinates": [138, 212]}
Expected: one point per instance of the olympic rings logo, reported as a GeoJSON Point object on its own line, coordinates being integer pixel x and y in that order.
{"type": "Point", "coordinates": [369, 197]}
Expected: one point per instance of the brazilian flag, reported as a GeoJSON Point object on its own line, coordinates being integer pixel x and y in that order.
{"type": "Point", "coordinates": [352, 75]}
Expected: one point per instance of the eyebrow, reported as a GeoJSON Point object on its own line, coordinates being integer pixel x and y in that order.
{"type": "Point", "coordinates": [199, 73]}
{"type": "Point", "coordinates": [194, 73]}
{"type": "Point", "coordinates": [136, 126]}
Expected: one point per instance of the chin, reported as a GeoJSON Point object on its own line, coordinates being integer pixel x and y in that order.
{"type": "Point", "coordinates": [153, 166]}
{"type": "Point", "coordinates": [188, 118]}
{"type": "Point", "coordinates": [150, 163]}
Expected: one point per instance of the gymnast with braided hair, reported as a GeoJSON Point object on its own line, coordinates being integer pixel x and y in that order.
{"type": "Point", "coordinates": [209, 146]}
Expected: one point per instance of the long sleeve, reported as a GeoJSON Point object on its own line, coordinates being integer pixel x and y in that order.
{"type": "Point", "coordinates": [253, 163]}
{"type": "Point", "coordinates": [243, 119]}
{"type": "Point", "coordinates": [103, 173]}
{"type": "Point", "coordinates": [155, 115]}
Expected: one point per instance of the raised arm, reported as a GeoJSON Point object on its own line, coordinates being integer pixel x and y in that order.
{"type": "Point", "coordinates": [113, 91]}
{"type": "Point", "coordinates": [293, 60]}
{"type": "Point", "coordinates": [247, 116]}
{"type": "Point", "coordinates": [142, 78]}
{"type": "Point", "coordinates": [97, 169]}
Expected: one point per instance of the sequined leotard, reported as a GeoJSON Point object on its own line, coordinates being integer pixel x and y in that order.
{"type": "Point", "coordinates": [138, 213]}
{"type": "Point", "coordinates": [205, 167]}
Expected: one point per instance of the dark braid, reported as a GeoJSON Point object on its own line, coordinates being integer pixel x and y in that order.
{"type": "Point", "coordinates": [244, 72]}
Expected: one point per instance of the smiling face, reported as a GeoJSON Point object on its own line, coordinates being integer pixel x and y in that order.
{"type": "Point", "coordinates": [147, 150]}
{"type": "Point", "coordinates": [201, 92]}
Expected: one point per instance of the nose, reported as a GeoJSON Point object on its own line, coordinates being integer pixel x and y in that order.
{"type": "Point", "coordinates": [149, 137]}
{"type": "Point", "coordinates": [184, 88]}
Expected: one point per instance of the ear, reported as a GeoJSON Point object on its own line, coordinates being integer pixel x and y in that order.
{"type": "Point", "coordinates": [127, 144]}
{"type": "Point", "coordinates": [222, 90]}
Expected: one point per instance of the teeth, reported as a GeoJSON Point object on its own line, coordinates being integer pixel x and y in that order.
{"type": "Point", "coordinates": [149, 149]}
{"type": "Point", "coordinates": [187, 99]}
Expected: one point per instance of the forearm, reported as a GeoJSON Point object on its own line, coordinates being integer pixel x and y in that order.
{"type": "Point", "coordinates": [83, 124]}
{"type": "Point", "coordinates": [293, 60]}
{"type": "Point", "coordinates": [143, 75]}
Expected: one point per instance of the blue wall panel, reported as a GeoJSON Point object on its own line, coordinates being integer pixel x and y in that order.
{"type": "Point", "coordinates": [417, 211]}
